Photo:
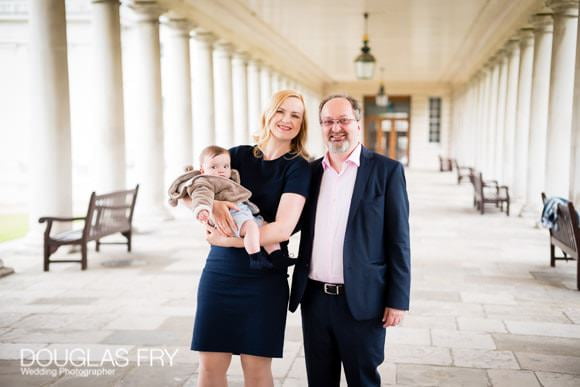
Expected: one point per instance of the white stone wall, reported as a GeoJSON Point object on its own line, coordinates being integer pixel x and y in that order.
{"type": "Point", "coordinates": [424, 154]}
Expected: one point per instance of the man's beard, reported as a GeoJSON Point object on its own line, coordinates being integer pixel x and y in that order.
{"type": "Point", "coordinates": [339, 147]}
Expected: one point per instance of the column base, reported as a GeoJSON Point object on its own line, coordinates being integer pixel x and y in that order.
{"type": "Point", "coordinates": [4, 271]}
{"type": "Point", "coordinates": [529, 212]}
{"type": "Point", "coordinates": [148, 220]}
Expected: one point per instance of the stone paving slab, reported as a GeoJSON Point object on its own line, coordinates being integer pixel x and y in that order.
{"type": "Point", "coordinates": [481, 358]}
{"type": "Point", "coordinates": [550, 363]}
{"type": "Point", "coordinates": [486, 307]}
{"type": "Point", "coordinates": [423, 375]}
{"type": "Point", "coordinates": [537, 344]}
{"type": "Point", "coordinates": [549, 379]}
{"type": "Point", "coordinates": [513, 378]}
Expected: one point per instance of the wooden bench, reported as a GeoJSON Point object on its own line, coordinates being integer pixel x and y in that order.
{"type": "Point", "coordinates": [445, 164]}
{"type": "Point", "coordinates": [463, 172]}
{"type": "Point", "coordinates": [107, 214]}
{"type": "Point", "coordinates": [489, 192]}
{"type": "Point", "coordinates": [566, 236]}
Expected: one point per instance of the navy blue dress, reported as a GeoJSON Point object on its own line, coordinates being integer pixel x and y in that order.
{"type": "Point", "coordinates": [241, 310]}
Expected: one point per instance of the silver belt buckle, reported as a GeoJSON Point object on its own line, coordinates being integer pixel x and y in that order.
{"type": "Point", "coordinates": [327, 290]}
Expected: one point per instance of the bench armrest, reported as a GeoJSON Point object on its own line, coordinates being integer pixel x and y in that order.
{"type": "Point", "coordinates": [55, 219]}
{"type": "Point", "coordinates": [490, 183]}
{"type": "Point", "coordinates": [50, 219]}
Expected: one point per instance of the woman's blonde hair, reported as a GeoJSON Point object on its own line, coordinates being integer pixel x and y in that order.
{"type": "Point", "coordinates": [298, 143]}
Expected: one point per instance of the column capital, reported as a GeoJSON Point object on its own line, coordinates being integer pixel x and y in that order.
{"type": "Point", "coordinates": [526, 36]}
{"type": "Point", "coordinates": [145, 11]}
{"type": "Point", "coordinates": [223, 48]}
{"type": "Point", "coordinates": [542, 21]}
{"type": "Point", "coordinates": [203, 36]}
{"type": "Point", "coordinates": [254, 62]}
{"type": "Point", "coordinates": [500, 56]}
{"type": "Point", "coordinates": [564, 7]}
{"type": "Point", "coordinates": [512, 45]}
{"type": "Point", "coordinates": [178, 24]}
{"type": "Point", "coordinates": [241, 56]}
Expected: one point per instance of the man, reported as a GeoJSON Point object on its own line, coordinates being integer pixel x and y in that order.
{"type": "Point", "coordinates": [352, 278]}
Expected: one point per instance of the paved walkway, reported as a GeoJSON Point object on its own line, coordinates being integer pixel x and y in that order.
{"type": "Point", "coordinates": [486, 310]}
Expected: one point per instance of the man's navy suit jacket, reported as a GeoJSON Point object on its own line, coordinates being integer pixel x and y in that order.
{"type": "Point", "coordinates": [376, 255]}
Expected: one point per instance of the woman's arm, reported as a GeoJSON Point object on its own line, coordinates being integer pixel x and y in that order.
{"type": "Point", "coordinates": [280, 230]}
{"type": "Point", "coordinates": [287, 216]}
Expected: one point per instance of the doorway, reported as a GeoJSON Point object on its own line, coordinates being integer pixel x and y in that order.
{"type": "Point", "coordinates": [388, 129]}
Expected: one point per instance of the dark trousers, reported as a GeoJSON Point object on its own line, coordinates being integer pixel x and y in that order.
{"type": "Point", "coordinates": [332, 336]}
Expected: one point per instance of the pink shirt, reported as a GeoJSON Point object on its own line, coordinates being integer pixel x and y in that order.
{"type": "Point", "coordinates": [331, 218]}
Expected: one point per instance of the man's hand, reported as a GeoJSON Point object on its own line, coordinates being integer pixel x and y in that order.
{"type": "Point", "coordinates": [392, 317]}
{"type": "Point", "coordinates": [223, 219]}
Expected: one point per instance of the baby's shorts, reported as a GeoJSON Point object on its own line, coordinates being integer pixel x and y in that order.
{"type": "Point", "coordinates": [243, 215]}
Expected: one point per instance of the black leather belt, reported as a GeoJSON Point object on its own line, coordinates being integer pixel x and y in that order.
{"type": "Point", "coordinates": [330, 289]}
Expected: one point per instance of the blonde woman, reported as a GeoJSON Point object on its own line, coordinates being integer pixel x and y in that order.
{"type": "Point", "coordinates": [241, 310]}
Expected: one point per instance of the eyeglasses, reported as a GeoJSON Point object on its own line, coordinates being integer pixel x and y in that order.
{"type": "Point", "coordinates": [328, 123]}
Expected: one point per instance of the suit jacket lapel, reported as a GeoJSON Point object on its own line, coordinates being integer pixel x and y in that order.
{"type": "Point", "coordinates": [362, 178]}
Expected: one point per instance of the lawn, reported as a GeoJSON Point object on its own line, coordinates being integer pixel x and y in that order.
{"type": "Point", "coordinates": [13, 226]}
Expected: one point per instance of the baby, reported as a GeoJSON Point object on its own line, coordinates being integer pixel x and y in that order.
{"type": "Point", "coordinates": [215, 180]}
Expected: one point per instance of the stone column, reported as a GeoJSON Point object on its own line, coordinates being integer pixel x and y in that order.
{"type": "Point", "coordinates": [108, 118]}
{"type": "Point", "coordinates": [202, 91]}
{"type": "Point", "coordinates": [315, 142]}
{"type": "Point", "coordinates": [489, 171]}
{"type": "Point", "coordinates": [283, 83]}
{"type": "Point", "coordinates": [276, 82]}
{"type": "Point", "coordinates": [265, 87]}
{"type": "Point", "coordinates": [223, 94]}
{"type": "Point", "coordinates": [513, 63]}
{"type": "Point", "coordinates": [460, 111]}
{"type": "Point", "coordinates": [575, 171]}
{"type": "Point", "coordinates": [150, 160]}
{"type": "Point", "coordinates": [542, 23]}
{"type": "Point", "coordinates": [471, 124]}
{"type": "Point", "coordinates": [522, 134]}
{"type": "Point", "coordinates": [561, 97]}
{"type": "Point", "coordinates": [50, 164]}
{"type": "Point", "coordinates": [254, 99]}
{"type": "Point", "coordinates": [178, 94]}
{"type": "Point", "coordinates": [499, 159]}
{"type": "Point", "coordinates": [480, 127]}
{"type": "Point", "coordinates": [240, 97]}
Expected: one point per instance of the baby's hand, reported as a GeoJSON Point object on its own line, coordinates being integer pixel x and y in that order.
{"type": "Point", "coordinates": [203, 216]}
{"type": "Point", "coordinates": [187, 202]}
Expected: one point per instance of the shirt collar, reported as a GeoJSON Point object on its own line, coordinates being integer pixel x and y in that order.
{"type": "Point", "coordinates": [353, 158]}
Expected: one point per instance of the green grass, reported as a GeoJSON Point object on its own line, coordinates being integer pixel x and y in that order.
{"type": "Point", "coordinates": [13, 226]}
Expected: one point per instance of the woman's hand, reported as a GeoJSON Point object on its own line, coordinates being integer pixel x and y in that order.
{"type": "Point", "coordinates": [223, 219]}
{"type": "Point", "coordinates": [216, 238]}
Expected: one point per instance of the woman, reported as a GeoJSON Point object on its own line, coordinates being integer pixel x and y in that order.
{"type": "Point", "coordinates": [242, 310]}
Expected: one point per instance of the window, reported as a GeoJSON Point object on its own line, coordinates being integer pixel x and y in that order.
{"type": "Point", "coordinates": [434, 119]}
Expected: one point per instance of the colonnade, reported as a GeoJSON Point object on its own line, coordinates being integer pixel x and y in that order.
{"type": "Point", "coordinates": [214, 93]}
{"type": "Point", "coordinates": [513, 120]}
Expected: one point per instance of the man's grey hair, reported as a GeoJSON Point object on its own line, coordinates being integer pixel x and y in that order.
{"type": "Point", "coordinates": [356, 108]}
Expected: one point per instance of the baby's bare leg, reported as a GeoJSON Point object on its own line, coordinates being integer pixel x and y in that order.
{"type": "Point", "coordinates": [251, 234]}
